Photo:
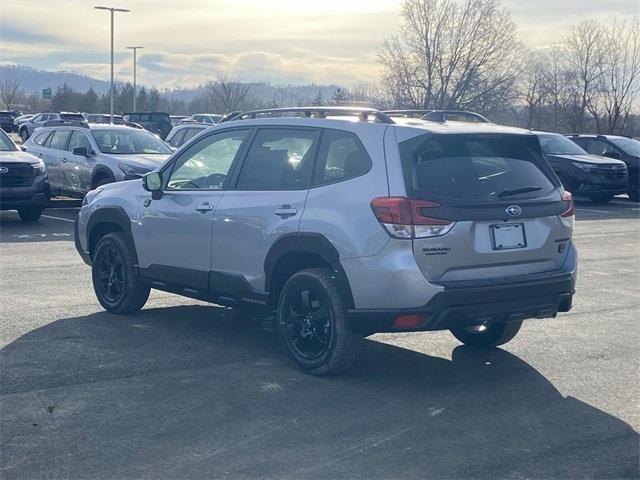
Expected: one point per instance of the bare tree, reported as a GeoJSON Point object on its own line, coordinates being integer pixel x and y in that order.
{"type": "Point", "coordinates": [534, 90]}
{"type": "Point", "coordinates": [9, 91]}
{"type": "Point", "coordinates": [585, 46]}
{"type": "Point", "coordinates": [620, 83]}
{"type": "Point", "coordinates": [228, 91]}
{"type": "Point", "coordinates": [451, 54]}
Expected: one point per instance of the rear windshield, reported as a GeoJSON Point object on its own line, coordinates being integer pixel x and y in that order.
{"type": "Point", "coordinates": [129, 142]}
{"type": "Point", "coordinates": [475, 167]}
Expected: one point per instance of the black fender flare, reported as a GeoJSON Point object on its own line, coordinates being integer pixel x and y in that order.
{"type": "Point", "coordinates": [116, 216]}
{"type": "Point", "coordinates": [311, 243]}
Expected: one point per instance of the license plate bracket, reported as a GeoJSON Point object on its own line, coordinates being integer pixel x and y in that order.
{"type": "Point", "coordinates": [507, 236]}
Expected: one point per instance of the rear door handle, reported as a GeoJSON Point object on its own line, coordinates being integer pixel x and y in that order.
{"type": "Point", "coordinates": [286, 211]}
{"type": "Point", "coordinates": [64, 159]}
{"type": "Point", "coordinates": [205, 207]}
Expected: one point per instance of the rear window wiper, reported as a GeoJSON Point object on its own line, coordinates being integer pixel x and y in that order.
{"type": "Point", "coordinates": [517, 191]}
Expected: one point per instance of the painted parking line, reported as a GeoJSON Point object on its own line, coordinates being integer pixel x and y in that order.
{"type": "Point", "coordinates": [59, 218]}
{"type": "Point", "coordinates": [586, 210]}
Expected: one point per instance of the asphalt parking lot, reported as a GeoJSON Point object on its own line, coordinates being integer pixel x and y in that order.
{"type": "Point", "coordinates": [189, 390]}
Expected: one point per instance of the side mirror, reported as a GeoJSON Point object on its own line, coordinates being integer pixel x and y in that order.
{"type": "Point", "coordinates": [23, 148]}
{"type": "Point", "coordinates": [152, 182]}
{"type": "Point", "coordinates": [82, 151]}
{"type": "Point", "coordinates": [615, 155]}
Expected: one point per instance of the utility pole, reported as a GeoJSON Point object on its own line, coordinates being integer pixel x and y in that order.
{"type": "Point", "coordinates": [112, 10]}
{"type": "Point", "coordinates": [135, 61]}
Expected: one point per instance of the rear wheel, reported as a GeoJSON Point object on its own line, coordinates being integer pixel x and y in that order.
{"type": "Point", "coordinates": [601, 198]}
{"type": "Point", "coordinates": [487, 336]}
{"type": "Point", "coordinates": [30, 214]}
{"type": "Point", "coordinates": [312, 323]}
{"type": "Point", "coordinates": [117, 288]}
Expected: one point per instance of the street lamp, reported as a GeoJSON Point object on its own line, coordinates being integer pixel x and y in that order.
{"type": "Point", "coordinates": [135, 51]}
{"type": "Point", "coordinates": [112, 10]}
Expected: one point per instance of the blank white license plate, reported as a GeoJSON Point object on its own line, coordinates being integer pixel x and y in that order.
{"type": "Point", "coordinates": [508, 235]}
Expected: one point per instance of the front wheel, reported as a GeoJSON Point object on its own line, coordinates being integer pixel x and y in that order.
{"type": "Point", "coordinates": [30, 214]}
{"type": "Point", "coordinates": [487, 336]}
{"type": "Point", "coordinates": [600, 198]}
{"type": "Point", "coordinates": [312, 324]}
{"type": "Point", "coordinates": [634, 193]}
{"type": "Point", "coordinates": [117, 288]}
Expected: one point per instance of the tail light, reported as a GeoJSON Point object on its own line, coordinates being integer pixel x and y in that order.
{"type": "Point", "coordinates": [568, 217]}
{"type": "Point", "coordinates": [404, 218]}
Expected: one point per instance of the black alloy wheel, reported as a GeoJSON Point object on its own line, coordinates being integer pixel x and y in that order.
{"type": "Point", "coordinates": [308, 321]}
{"type": "Point", "coordinates": [312, 323]}
{"type": "Point", "coordinates": [110, 271]}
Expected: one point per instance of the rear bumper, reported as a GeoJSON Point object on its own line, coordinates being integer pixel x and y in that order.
{"type": "Point", "coordinates": [540, 296]}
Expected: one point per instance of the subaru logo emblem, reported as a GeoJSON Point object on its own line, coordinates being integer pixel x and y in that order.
{"type": "Point", "coordinates": [3, 170]}
{"type": "Point", "coordinates": [514, 211]}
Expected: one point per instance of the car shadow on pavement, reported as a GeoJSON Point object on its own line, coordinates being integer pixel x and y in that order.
{"type": "Point", "coordinates": [202, 392]}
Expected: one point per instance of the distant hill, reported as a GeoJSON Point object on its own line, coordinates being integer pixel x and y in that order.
{"type": "Point", "coordinates": [32, 80]}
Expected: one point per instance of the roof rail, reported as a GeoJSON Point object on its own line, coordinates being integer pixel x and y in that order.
{"type": "Point", "coordinates": [407, 113]}
{"type": "Point", "coordinates": [314, 112]}
{"type": "Point", "coordinates": [66, 123]}
{"type": "Point", "coordinates": [440, 116]}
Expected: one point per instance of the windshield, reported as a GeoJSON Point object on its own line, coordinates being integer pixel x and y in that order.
{"type": "Point", "coordinates": [559, 145]}
{"type": "Point", "coordinates": [474, 168]}
{"type": "Point", "coordinates": [128, 142]}
{"type": "Point", "coordinates": [627, 145]}
{"type": "Point", "coordinates": [6, 145]}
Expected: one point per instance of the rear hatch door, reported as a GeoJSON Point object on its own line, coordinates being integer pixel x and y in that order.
{"type": "Point", "coordinates": [503, 198]}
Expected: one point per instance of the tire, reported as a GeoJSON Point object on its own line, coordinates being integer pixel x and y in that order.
{"type": "Point", "coordinates": [117, 288]}
{"type": "Point", "coordinates": [493, 336]}
{"type": "Point", "coordinates": [634, 194]}
{"type": "Point", "coordinates": [600, 198]}
{"type": "Point", "coordinates": [30, 214]}
{"type": "Point", "coordinates": [104, 181]}
{"type": "Point", "coordinates": [312, 324]}
{"type": "Point", "coordinates": [24, 135]}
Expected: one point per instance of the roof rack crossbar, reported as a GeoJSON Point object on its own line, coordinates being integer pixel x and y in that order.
{"type": "Point", "coordinates": [440, 115]}
{"type": "Point", "coordinates": [317, 112]}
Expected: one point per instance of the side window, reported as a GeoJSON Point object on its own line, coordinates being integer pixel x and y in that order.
{"type": "Point", "coordinates": [190, 133]}
{"type": "Point", "coordinates": [37, 118]}
{"type": "Point", "coordinates": [600, 147]}
{"type": "Point", "coordinates": [59, 139]}
{"type": "Point", "coordinates": [206, 163]}
{"type": "Point", "coordinates": [177, 139]}
{"type": "Point", "coordinates": [41, 138]}
{"type": "Point", "coordinates": [341, 157]}
{"type": "Point", "coordinates": [279, 159]}
{"type": "Point", "coordinates": [79, 139]}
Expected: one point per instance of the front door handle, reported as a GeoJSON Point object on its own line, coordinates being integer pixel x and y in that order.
{"type": "Point", "coordinates": [64, 159]}
{"type": "Point", "coordinates": [204, 208]}
{"type": "Point", "coordinates": [286, 211]}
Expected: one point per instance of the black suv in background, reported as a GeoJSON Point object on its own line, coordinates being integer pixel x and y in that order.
{"type": "Point", "coordinates": [596, 177]}
{"type": "Point", "coordinates": [23, 181]}
{"type": "Point", "coordinates": [156, 122]}
{"type": "Point", "coordinates": [619, 148]}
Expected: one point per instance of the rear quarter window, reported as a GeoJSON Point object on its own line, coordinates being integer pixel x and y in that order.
{"type": "Point", "coordinates": [341, 157]}
{"type": "Point", "coordinates": [483, 168]}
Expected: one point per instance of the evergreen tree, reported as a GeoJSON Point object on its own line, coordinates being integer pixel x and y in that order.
{"type": "Point", "coordinates": [318, 100]}
{"type": "Point", "coordinates": [340, 96]}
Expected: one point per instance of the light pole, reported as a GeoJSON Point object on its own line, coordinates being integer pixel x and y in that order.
{"type": "Point", "coordinates": [112, 10]}
{"type": "Point", "coordinates": [135, 51]}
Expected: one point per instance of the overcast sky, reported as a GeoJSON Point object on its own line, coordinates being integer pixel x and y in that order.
{"type": "Point", "coordinates": [280, 41]}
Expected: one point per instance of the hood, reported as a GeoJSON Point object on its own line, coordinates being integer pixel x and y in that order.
{"type": "Point", "coordinates": [18, 157]}
{"type": "Point", "coordinates": [594, 159]}
{"type": "Point", "coordinates": [142, 160]}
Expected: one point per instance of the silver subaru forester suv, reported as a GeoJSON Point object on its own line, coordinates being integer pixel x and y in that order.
{"type": "Point", "coordinates": [344, 222]}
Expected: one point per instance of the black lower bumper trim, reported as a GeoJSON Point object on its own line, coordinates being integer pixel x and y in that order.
{"type": "Point", "coordinates": [473, 306]}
